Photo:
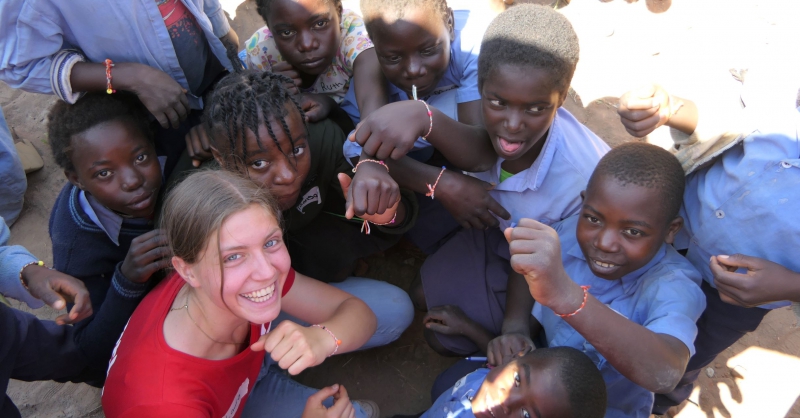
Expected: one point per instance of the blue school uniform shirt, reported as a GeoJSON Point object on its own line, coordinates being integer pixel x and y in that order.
{"type": "Point", "coordinates": [458, 85]}
{"type": "Point", "coordinates": [457, 402]}
{"type": "Point", "coordinates": [34, 32]}
{"type": "Point", "coordinates": [664, 296]}
{"type": "Point", "coordinates": [549, 190]}
{"type": "Point", "coordinates": [747, 201]}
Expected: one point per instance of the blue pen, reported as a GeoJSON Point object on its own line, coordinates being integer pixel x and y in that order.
{"type": "Point", "coordinates": [476, 358]}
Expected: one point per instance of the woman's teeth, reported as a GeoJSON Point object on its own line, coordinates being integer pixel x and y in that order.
{"type": "Point", "coordinates": [261, 295]}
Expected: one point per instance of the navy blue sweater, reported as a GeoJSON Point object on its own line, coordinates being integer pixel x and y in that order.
{"type": "Point", "coordinates": [82, 250]}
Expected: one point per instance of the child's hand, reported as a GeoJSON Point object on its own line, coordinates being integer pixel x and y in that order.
{"type": "Point", "coordinates": [392, 130]}
{"type": "Point", "coordinates": [644, 109]}
{"type": "Point", "coordinates": [159, 93]}
{"type": "Point", "coordinates": [508, 347]}
{"type": "Point", "coordinates": [371, 195]}
{"type": "Point", "coordinates": [536, 254]}
{"type": "Point", "coordinates": [148, 254]}
{"type": "Point", "coordinates": [448, 320]}
{"type": "Point", "coordinates": [763, 282]}
{"type": "Point", "coordinates": [56, 289]}
{"type": "Point", "coordinates": [286, 69]}
{"type": "Point", "coordinates": [296, 347]}
{"type": "Point", "coordinates": [469, 201]}
{"type": "Point", "coordinates": [198, 145]}
{"type": "Point", "coordinates": [342, 407]}
{"type": "Point", "coordinates": [316, 106]}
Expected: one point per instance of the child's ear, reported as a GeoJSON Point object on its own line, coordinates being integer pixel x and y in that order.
{"type": "Point", "coordinates": [583, 195]}
{"type": "Point", "coordinates": [73, 178]}
{"type": "Point", "coordinates": [185, 270]}
{"type": "Point", "coordinates": [450, 21]}
{"type": "Point", "coordinates": [674, 227]}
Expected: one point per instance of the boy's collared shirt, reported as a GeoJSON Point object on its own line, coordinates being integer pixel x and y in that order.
{"type": "Point", "coordinates": [457, 401]}
{"type": "Point", "coordinates": [262, 53]}
{"type": "Point", "coordinates": [747, 200]}
{"type": "Point", "coordinates": [458, 85]}
{"type": "Point", "coordinates": [664, 296]}
{"type": "Point", "coordinates": [568, 158]}
{"type": "Point", "coordinates": [33, 31]}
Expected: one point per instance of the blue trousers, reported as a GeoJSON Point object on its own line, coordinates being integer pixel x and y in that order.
{"type": "Point", "coordinates": [276, 395]}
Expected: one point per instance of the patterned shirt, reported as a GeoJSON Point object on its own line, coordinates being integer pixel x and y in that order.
{"type": "Point", "coordinates": [262, 53]}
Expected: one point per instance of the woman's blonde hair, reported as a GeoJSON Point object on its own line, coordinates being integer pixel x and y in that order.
{"type": "Point", "coordinates": [197, 207]}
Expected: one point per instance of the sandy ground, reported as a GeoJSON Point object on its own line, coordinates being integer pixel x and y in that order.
{"type": "Point", "coordinates": [687, 46]}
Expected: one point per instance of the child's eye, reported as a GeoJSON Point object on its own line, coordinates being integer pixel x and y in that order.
{"type": "Point", "coordinates": [141, 158]}
{"type": "Point", "coordinates": [592, 219]}
{"type": "Point", "coordinates": [233, 257]}
{"type": "Point", "coordinates": [271, 243]}
{"type": "Point", "coordinates": [286, 33]}
{"type": "Point", "coordinates": [321, 24]}
{"type": "Point", "coordinates": [525, 414]}
{"type": "Point", "coordinates": [516, 379]}
{"type": "Point", "coordinates": [393, 59]}
{"type": "Point", "coordinates": [102, 174]}
{"type": "Point", "coordinates": [536, 109]}
{"type": "Point", "coordinates": [259, 164]}
{"type": "Point", "coordinates": [429, 51]}
{"type": "Point", "coordinates": [495, 102]}
{"type": "Point", "coordinates": [634, 232]}
{"type": "Point", "coordinates": [298, 151]}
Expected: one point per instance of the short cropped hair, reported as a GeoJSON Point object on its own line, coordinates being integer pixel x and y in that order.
{"type": "Point", "coordinates": [264, 7]}
{"type": "Point", "coordinates": [586, 390]}
{"type": "Point", "coordinates": [530, 35]}
{"type": "Point", "coordinates": [649, 166]}
{"type": "Point", "coordinates": [371, 10]}
{"type": "Point", "coordinates": [66, 120]}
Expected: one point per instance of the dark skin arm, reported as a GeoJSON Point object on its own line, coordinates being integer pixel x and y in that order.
{"type": "Point", "coordinates": [369, 83]}
{"type": "Point", "coordinates": [392, 130]}
{"type": "Point", "coordinates": [654, 361]}
{"type": "Point", "coordinates": [645, 109]}
{"type": "Point", "coordinates": [451, 320]}
{"type": "Point", "coordinates": [516, 333]}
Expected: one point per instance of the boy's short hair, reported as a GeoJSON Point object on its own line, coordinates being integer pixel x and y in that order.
{"type": "Point", "coordinates": [530, 35]}
{"type": "Point", "coordinates": [649, 166]}
{"type": "Point", "coordinates": [264, 7]}
{"type": "Point", "coordinates": [582, 381]}
{"type": "Point", "coordinates": [396, 9]}
{"type": "Point", "coordinates": [66, 120]}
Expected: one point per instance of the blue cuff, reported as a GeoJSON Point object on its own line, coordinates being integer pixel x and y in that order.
{"type": "Point", "coordinates": [219, 22]}
{"type": "Point", "coordinates": [126, 288]}
{"type": "Point", "coordinates": [10, 285]}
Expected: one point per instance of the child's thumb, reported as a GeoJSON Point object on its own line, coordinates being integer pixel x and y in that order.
{"type": "Point", "coordinates": [507, 233]}
{"type": "Point", "coordinates": [323, 394]}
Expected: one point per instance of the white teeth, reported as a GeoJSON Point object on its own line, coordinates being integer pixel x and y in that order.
{"type": "Point", "coordinates": [604, 265]}
{"type": "Point", "coordinates": [261, 295]}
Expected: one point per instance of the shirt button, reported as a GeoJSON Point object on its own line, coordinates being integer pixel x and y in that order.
{"type": "Point", "coordinates": [719, 214]}
{"type": "Point", "coordinates": [786, 164]}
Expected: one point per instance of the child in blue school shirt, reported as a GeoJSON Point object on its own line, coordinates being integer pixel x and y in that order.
{"type": "Point", "coordinates": [608, 283]}
{"type": "Point", "coordinates": [101, 224]}
{"type": "Point", "coordinates": [740, 207]}
{"type": "Point", "coordinates": [550, 382]}
{"type": "Point", "coordinates": [542, 158]}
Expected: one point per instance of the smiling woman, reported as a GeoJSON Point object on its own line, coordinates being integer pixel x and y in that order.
{"type": "Point", "coordinates": [195, 345]}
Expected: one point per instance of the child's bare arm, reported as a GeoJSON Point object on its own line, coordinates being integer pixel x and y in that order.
{"type": "Point", "coordinates": [644, 109]}
{"type": "Point", "coordinates": [465, 197]}
{"type": "Point", "coordinates": [451, 320]}
{"type": "Point", "coordinates": [764, 281]}
{"type": "Point", "coordinates": [516, 334]}
{"type": "Point", "coordinates": [369, 83]}
{"type": "Point", "coordinates": [654, 361]}
{"type": "Point", "coordinates": [392, 130]}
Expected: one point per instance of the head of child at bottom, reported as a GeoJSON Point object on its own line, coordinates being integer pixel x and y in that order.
{"type": "Point", "coordinates": [630, 209]}
{"type": "Point", "coordinates": [258, 129]}
{"type": "Point", "coordinates": [104, 144]}
{"type": "Point", "coordinates": [528, 57]}
{"type": "Point", "coordinates": [412, 40]}
{"type": "Point", "coordinates": [558, 382]}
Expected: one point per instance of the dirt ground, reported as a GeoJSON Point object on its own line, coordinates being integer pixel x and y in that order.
{"type": "Point", "coordinates": [687, 46]}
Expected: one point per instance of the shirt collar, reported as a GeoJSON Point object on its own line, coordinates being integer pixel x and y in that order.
{"type": "Point", "coordinates": [103, 217]}
{"type": "Point", "coordinates": [628, 281]}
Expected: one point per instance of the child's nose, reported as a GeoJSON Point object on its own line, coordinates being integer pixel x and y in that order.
{"type": "Point", "coordinates": [285, 173]}
{"type": "Point", "coordinates": [131, 180]}
{"type": "Point", "coordinates": [513, 122]}
{"type": "Point", "coordinates": [415, 69]}
{"type": "Point", "coordinates": [307, 42]}
{"type": "Point", "coordinates": [606, 241]}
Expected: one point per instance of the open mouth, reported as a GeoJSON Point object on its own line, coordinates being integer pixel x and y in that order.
{"type": "Point", "coordinates": [603, 267]}
{"type": "Point", "coordinates": [508, 146]}
{"type": "Point", "coordinates": [261, 295]}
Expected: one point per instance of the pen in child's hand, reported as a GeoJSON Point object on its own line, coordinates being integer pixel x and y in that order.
{"type": "Point", "coordinates": [473, 358]}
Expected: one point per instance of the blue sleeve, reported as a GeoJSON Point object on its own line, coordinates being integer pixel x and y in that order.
{"type": "Point", "coordinates": [217, 17]}
{"type": "Point", "coordinates": [471, 29]}
{"type": "Point", "coordinates": [12, 259]}
{"type": "Point", "coordinates": [455, 402]}
{"type": "Point", "coordinates": [675, 303]}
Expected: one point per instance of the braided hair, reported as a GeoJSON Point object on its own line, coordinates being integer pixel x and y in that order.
{"type": "Point", "coordinates": [241, 101]}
